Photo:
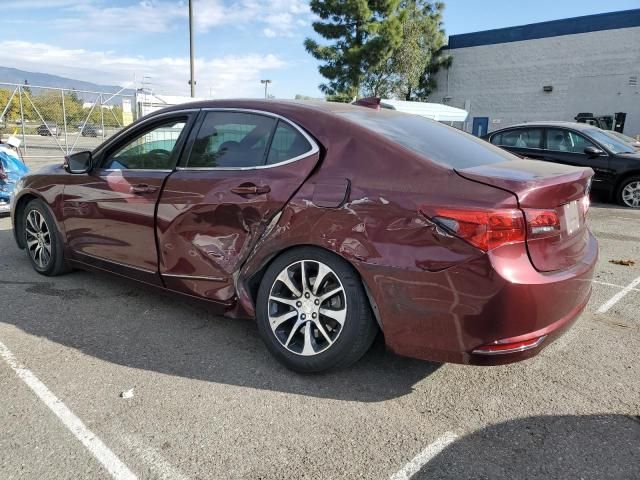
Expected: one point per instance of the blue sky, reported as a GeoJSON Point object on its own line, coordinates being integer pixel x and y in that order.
{"type": "Point", "coordinates": [238, 42]}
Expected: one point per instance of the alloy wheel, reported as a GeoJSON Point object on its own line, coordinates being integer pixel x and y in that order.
{"type": "Point", "coordinates": [631, 194]}
{"type": "Point", "coordinates": [307, 307]}
{"type": "Point", "coordinates": [38, 238]}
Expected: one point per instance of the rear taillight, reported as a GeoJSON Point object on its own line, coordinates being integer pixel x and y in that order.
{"type": "Point", "coordinates": [3, 176]}
{"type": "Point", "coordinates": [485, 229]}
{"type": "Point", "coordinates": [542, 223]}
{"type": "Point", "coordinates": [585, 203]}
{"type": "Point", "coordinates": [509, 347]}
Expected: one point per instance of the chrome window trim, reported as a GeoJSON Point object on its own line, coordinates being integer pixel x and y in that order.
{"type": "Point", "coordinates": [314, 146]}
{"type": "Point", "coordinates": [168, 170]}
{"type": "Point", "coordinates": [193, 277]}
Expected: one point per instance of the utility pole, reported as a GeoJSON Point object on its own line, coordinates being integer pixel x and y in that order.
{"type": "Point", "coordinates": [192, 81]}
{"type": "Point", "coordinates": [266, 84]}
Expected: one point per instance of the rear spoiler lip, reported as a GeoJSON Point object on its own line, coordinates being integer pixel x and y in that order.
{"type": "Point", "coordinates": [530, 185]}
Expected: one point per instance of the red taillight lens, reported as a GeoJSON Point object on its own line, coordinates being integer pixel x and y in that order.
{"type": "Point", "coordinates": [481, 228]}
{"type": "Point", "coordinates": [542, 223]}
{"type": "Point", "coordinates": [3, 176]}
{"type": "Point", "coordinates": [511, 347]}
{"type": "Point", "coordinates": [586, 203]}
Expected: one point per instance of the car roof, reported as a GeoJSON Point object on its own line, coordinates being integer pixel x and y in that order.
{"type": "Point", "coordinates": [269, 105]}
{"type": "Point", "coordinates": [550, 123]}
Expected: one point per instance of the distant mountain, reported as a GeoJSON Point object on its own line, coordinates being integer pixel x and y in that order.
{"type": "Point", "coordinates": [13, 75]}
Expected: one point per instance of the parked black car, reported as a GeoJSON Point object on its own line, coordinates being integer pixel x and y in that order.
{"type": "Point", "coordinates": [616, 164]}
{"type": "Point", "coordinates": [90, 130]}
{"type": "Point", "coordinates": [48, 129]}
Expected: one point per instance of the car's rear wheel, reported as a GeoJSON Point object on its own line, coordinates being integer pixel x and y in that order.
{"type": "Point", "coordinates": [629, 192]}
{"type": "Point", "coordinates": [312, 311]}
{"type": "Point", "coordinates": [43, 243]}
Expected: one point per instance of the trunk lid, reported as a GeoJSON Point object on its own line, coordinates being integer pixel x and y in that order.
{"type": "Point", "coordinates": [554, 199]}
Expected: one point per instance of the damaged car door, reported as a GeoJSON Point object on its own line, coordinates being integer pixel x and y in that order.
{"type": "Point", "coordinates": [109, 211]}
{"type": "Point", "coordinates": [239, 170]}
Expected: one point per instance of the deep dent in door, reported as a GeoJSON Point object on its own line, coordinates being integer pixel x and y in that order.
{"type": "Point", "coordinates": [206, 231]}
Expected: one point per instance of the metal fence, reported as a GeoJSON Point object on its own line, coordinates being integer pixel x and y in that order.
{"type": "Point", "coordinates": [53, 122]}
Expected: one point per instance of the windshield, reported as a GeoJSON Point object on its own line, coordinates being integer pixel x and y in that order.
{"type": "Point", "coordinates": [623, 137]}
{"type": "Point", "coordinates": [431, 139]}
{"type": "Point", "coordinates": [611, 142]}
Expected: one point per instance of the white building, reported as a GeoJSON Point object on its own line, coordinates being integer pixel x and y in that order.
{"type": "Point", "coordinates": [546, 71]}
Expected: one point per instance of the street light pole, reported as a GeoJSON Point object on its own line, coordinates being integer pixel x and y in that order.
{"type": "Point", "coordinates": [266, 84]}
{"type": "Point", "coordinates": [192, 81]}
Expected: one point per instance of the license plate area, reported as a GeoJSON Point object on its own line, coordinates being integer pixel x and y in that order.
{"type": "Point", "coordinates": [571, 217]}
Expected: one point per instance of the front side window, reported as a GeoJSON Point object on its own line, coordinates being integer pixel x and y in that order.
{"type": "Point", "coordinates": [561, 140]}
{"type": "Point", "coordinates": [232, 140]}
{"type": "Point", "coordinates": [152, 150]}
{"type": "Point", "coordinates": [519, 138]}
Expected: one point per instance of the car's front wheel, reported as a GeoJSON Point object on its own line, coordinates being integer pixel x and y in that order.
{"type": "Point", "coordinates": [629, 192]}
{"type": "Point", "coordinates": [43, 243]}
{"type": "Point", "coordinates": [312, 311]}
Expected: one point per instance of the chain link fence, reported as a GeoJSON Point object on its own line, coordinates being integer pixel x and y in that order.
{"type": "Point", "coordinates": [54, 122]}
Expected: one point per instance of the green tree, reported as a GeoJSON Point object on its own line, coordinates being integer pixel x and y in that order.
{"type": "Point", "coordinates": [362, 36]}
{"type": "Point", "coordinates": [409, 72]}
{"type": "Point", "coordinates": [13, 110]}
{"type": "Point", "coordinates": [427, 84]}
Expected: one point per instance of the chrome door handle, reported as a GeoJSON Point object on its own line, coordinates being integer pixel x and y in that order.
{"type": "Point", "coordinates": [142, 188]}
{"type": "Point", "coordinates": [251, 190]}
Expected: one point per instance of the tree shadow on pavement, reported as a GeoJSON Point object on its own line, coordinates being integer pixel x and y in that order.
{"type": "Point", "coordinates": [131, 324]}
{"type": "Point", "coordinates": [548, 447]}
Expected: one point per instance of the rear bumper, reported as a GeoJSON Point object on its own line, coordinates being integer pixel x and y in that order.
{"type": "Point", "coordinates": [496, 298]}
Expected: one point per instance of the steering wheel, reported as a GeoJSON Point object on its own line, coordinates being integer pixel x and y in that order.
{"type": "Point", "coordinates": [158, 152]}
{"type": "Point", "coordinates": [157, 158]}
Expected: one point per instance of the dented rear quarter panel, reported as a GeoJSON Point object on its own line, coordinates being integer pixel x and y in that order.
{"type": "Point", "coordinates": [403, 259]}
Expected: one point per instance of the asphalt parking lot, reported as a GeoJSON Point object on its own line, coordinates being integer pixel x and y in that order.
{"type": "Point", "coordinates": [210, 403]}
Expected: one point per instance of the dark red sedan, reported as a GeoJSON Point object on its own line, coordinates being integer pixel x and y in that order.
{"type": "Point", "coordinates": [327, 223]}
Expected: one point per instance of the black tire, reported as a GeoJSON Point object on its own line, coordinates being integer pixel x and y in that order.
{"type": "Point", "coordinates": [359, 328]}
{"type": "Point", "coordinates": [623, 185]}
{"type": "Point", "coordinates": [56, 264]}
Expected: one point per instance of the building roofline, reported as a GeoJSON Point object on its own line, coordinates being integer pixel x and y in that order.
{"type": "Point", "coordinates": [553, 28]}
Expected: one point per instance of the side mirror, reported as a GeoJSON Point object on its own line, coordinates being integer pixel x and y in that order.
{"type": "Point", "coordinates": [79, 162]}
{"type": "Point", "coordinates": [593, 151]}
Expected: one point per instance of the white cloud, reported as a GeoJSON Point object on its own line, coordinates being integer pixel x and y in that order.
{"type": "Point", "coordinates": [277, 17]}
{"type": "Point", "coordinates": [228, 76]}
{"type": "Point", "coordinates": [143, 16]}
{"type": "Point", "coordinates": [27, 4]}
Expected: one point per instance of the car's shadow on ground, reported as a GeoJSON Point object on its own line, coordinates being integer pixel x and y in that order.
{"type": "Point", "coordinates": [130, 324]}
{"type": "Point", "coordinates": [553, 447]}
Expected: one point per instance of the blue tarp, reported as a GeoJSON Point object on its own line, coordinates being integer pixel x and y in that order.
{"type": "Point", "coordinates": [13, 168]}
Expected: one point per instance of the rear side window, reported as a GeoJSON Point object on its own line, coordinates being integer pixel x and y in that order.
{"type": "Point", "coordinates": [433, 140]}
{"type": "Point", "coordinates": [519, 138]}
{"type": "Point", "coordinates": [232, 139]}
{"type": "Point", "coordinates": [287, 143]}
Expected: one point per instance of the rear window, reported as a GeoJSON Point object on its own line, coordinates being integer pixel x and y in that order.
{"type": "Point", "coordinates": [433, 140]}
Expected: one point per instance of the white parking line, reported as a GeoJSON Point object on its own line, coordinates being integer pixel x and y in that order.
{"type": "Point", "coordinates": [106, 457]}
{"type": "Point", "coordinates": [613, 285]}
{"type": "Point", "coordinates": [154, 459]}
{"type": "Point", "coordinates": [619, 296]}
{"type": "Point", "coordinates": [420, 460]}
